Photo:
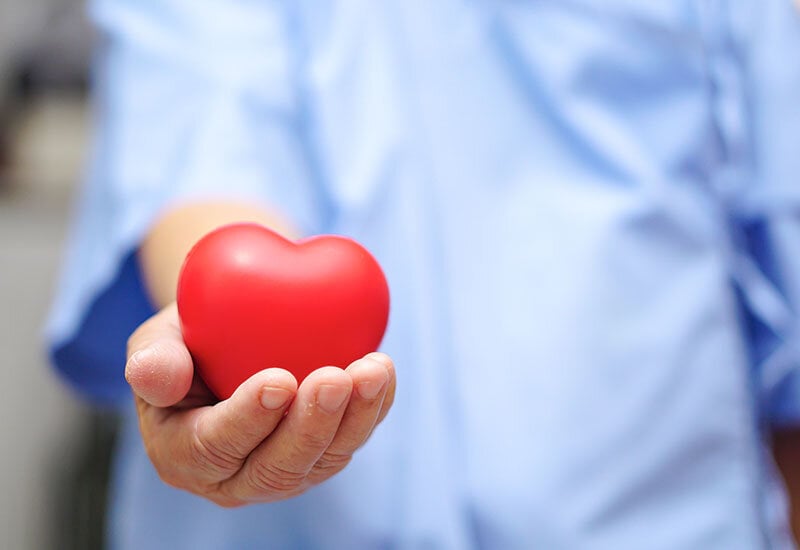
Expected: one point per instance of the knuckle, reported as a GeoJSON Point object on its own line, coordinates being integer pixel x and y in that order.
{"type": "Point", "coordinates": [312, 440]}
{"type": "Point", "coordinates": [331, 463]}
{"type": "Point", "coordinates": [270, 478]}
{"type": "Point", "coordinates": [212, 456]}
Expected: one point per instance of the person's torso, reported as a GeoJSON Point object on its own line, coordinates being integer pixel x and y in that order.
{"type": "Point", "coordinates": [538, 180]}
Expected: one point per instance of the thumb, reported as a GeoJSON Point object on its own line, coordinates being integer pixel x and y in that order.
{"type": "Point", "coordinates": [159, 367]}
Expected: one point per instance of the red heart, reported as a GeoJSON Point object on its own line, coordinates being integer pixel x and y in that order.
{"type": "Point", "coordinates": [249, 299]}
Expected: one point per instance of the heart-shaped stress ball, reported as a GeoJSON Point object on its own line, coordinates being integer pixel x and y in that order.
{"type": "Point", "coordinates": [249, 299]}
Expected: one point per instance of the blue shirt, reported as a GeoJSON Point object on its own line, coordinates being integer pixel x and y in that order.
{"type": "Point", "coordinates": [589, 216]}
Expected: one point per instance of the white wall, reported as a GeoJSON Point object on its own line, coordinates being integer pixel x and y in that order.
{"type": "Point", "coordinates": [21, 23]}
{"type": "Point", "coordinates": [43, 429]}
{"type": "Point", "coordinates": [39, 421]}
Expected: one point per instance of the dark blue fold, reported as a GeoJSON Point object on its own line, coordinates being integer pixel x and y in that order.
{"type": "Point", "coordinates": [93, 360]}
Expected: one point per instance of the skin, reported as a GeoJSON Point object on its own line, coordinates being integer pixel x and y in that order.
{"type": "Point", "coordinates": [786, 449]}
{"type": "Point", "coordinates": [269, 441]}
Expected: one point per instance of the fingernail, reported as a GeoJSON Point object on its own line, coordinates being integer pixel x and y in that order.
{"type": "Point", "coordinates": [369, 389]}
{"type": "Point", "coordinates": [274, 398]}
{"type": "Point", "coordinates": [330, 398]}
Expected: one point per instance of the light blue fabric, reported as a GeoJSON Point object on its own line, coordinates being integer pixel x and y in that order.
{"type": "Point", "coordinates": [589, 216]}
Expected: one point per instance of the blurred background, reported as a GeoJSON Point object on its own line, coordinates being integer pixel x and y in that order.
{"type": "Point", "coordinates": [54, 466]}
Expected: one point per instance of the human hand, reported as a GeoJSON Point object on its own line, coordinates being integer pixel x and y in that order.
{"type": "Point", "coordinates": [270, 440]}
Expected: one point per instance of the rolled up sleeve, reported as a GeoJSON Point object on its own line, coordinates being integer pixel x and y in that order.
{"type": "Point", "coordinates": [770, 207]}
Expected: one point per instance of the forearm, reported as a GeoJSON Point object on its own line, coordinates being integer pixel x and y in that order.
{"type": "Point", "coordinates": [178, 229]}
{"type": "Point", "coordinates": [786, 449]}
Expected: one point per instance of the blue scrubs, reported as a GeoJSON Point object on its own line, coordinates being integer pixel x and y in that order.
{"type": "Point", "coordinates": [589, 215]}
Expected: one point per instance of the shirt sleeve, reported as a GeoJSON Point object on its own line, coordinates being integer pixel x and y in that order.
{"type": "Point", "coordinates": [194, 99]}
{"type": "Point", "coordinates": [769, 210]}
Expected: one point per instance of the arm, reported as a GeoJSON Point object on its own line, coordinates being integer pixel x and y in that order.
{"type": "Point", "coordinates": [786, 449]}
{"type": "Point", "coordinates": [170, 239]}
{"type": "Point", "coordinates": [271, 440]}
{"type": "Point", "coordinates": [197, 112]}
